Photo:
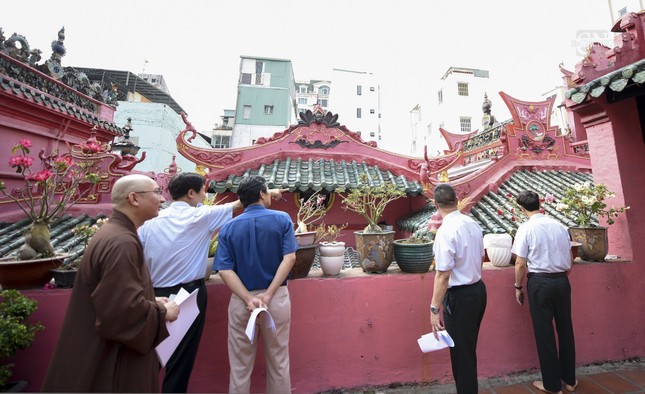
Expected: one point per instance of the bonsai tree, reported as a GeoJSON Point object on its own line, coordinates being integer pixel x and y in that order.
{"type": "Point", "coordinates": [51, 188]}
{"type": "Point", "coordinates": [17, 332]}
{"type": "Point", "coordinates": [329, 233]}
{"type": "Point", "coordinates": [370, 201]}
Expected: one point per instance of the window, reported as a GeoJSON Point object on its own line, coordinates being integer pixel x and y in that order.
{"type": "Point", "coordinates": [302, 89]}
{"type": "Point", "coordinates": [268, 109]}
{"type": "Point", "coordinates": [359, 90]}
{"type": "Point", "coordinates": [302, 100]}
{"type": "Point", "coordinates": [440, 96]}
{"type": "Point", "coordinates": [153, 80]}
{"type": "Point", "coordinates": [358, 112]}
{"type": "Point", "coordinates": [372, 134]}
{"type": "Point", "coordinates": [371, 111]}
{"type": "Point", "coordinates": [371, 88]}
{"type": "Point", "coordinates": [464, 124]}
{"type": "Point", "coordinates": [247, 112]}
{"type": "Point", "coordinates": [323, 102]}
{"type": "Point", "coordinates": [246, 79]}
{"type": "Point", "coordinates": [622, 11]}
{"type": "Point", "coordinates": [324, 90]}
{"type": "Point", "coordinates": [259, 67]}
{"type": "Point", "coordinates": [462, 89]}
{"type": "Point", "coordinates": [221, 141]}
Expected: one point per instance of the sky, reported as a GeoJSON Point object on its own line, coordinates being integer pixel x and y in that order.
{"type": "Point", "coordinates": [196, 44]}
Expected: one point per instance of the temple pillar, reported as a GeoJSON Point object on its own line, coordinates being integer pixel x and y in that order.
{"type": "Point", "coordinates": [616, 149]}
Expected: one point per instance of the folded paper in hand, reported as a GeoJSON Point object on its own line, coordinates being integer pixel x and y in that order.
{"type": "Point", "coordinates": [250, 327]}
{"type": "Point", "coordinates": [188, 311]}
{"type": "Point", "coordinates": [428, 343]}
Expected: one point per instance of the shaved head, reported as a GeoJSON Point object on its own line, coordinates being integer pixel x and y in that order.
{"type": "Point", "coordinates": [128, 184]}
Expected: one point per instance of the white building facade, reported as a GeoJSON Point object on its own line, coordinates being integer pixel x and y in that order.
{"type": "Point", "coordinates": [312, 93]}
{"type": "Point", "coordinates": [455, 105]}
{"type": "Point", "coordinates": [355, 97]}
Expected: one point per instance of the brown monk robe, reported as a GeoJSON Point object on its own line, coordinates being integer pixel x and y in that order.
{"type": "Point", "coordinates": [113, 322]}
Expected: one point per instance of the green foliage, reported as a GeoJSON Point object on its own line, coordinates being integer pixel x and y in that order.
{"type": "Point", "coordinates": [17, 332]}
{"type": "Point", "coordinates": [370, 201]}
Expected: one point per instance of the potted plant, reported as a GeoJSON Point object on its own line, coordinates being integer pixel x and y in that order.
{"type": "Point", "coordinates": [47, 193]}
{"type": "Point", "coordinates": [374, 246]}
{"type": "Point", "coordinates": [332, 251]}
{"type": "Point", "coordinates": [17, 332]}
{"type": "Point", "coordinates": [414, 254]}
{"type": "Point", "coordinates": [585, 203]}
{"type": "Point", "coordinates": [310, 210]}
{"type": "Point", "coordinates": [65, 275]}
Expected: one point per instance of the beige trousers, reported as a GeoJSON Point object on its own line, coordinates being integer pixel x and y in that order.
{"type": "Point", "coordinates": [241, 352]}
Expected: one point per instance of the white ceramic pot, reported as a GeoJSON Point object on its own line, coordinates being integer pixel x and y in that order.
{"type": "Point", "coordinates": [332, 257]}
{"type": "Point", "coordinates": [498, 249]}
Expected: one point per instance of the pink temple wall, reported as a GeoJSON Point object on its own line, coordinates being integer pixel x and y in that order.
{"type": "Point", "coordinates": [362, 330]}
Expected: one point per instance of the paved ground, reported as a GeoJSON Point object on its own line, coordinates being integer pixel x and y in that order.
{"type": "Point", "coordinates": [622, 377]}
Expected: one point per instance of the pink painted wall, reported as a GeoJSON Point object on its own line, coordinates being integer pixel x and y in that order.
{"type": "Point", "coordinates": [362, 330]}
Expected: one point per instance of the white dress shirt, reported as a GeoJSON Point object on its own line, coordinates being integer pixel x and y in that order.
{"type": "Point", "coordinates": [544, 242]}
{"type": "Point", "coordinates": [459, 248]}
{"type": "Point", "coordinates": [176, 242]}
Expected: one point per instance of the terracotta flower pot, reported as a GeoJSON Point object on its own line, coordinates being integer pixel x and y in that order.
{"type": "Point", "coordinates": [23, 274]}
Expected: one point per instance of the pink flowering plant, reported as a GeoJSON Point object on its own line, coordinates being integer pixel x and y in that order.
{"type": "Point", "coordinates": [514, 213]}
{"type": "Point", "coordinates": [50, 189]}
{"type": "Point", "coordinates": [586, 201]}
{"type": "Point", "coordinates": [311, 210]}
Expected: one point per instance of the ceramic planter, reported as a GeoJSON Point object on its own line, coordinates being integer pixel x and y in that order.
{"type": "Point", "coordinates": [375, 250]}
{"type": "Point", "coordinates": [593, 242]}
{"type": "Point", "coordinates": [413, 258]}
{"type": "Point", "coordinates": [306, 239]}
{"type": "Point", "coordinates": [64, 278]}
{"type": "Point", "coordinates": [498, 249]}
{"type": "Point", "coordinates": [23, 274]}
{"type": "Point", "coordinates": [332, 257]}
{"type": "Point", "coordinates": [305, 256]}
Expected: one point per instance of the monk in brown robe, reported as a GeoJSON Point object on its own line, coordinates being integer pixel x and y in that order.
{"type": "Point", "coordinates": [113, 321]}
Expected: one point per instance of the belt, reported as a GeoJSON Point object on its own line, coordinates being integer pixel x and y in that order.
{"type": "Point", "coordinates": [196, 283]}
{"type": "Point", "coordinates": [455, 288]}
{"type": "Point", "coordinates": [547, 274]}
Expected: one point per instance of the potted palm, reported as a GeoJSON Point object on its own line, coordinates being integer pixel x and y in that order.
{"type": "Point", "coordinates": [47, 193]}
{"type": "Point", "coordinates": [585, 202]}
{"type": "Point", "coordinates": [332, 251]}
{"type": "Point", "coordinates": [373, 244]}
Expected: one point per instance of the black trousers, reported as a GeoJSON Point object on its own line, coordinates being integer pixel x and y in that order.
{"type": "Point", "coordinates": [550, 299]}
{"type": "Point", "coordinates": [180, 365]}
{"type": "Point", "coordinates": [463, 310]}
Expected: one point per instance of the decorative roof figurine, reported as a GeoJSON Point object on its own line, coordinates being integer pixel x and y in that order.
{"type": "Point", "coordinates": [54, 66]}
{"type": "Point", "coordinates": [488, 120]}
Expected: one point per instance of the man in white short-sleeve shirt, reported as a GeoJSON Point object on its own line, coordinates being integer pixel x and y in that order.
{"type": "Point", "coordinates": [458, 288]}
{"type": "Point", "coordinates": [542, 244]}
{"type": "Point", "coordinates": [175, 246]}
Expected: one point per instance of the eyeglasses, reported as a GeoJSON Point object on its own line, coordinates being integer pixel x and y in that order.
{"type": "Point", "coordinates": [156, 191]}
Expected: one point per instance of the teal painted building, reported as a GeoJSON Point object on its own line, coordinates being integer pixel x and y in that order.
{"type": "Point", "coordinates": [265, 99]}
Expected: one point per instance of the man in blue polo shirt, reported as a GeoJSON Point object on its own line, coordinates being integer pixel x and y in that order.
{"type": "Point", "coordinates": [255, 254]}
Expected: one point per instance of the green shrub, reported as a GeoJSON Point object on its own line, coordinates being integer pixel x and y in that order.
{"type": "Point", "coordinates": [17, 333]}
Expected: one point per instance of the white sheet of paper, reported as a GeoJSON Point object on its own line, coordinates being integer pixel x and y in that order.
{"type": "Point", "coordinates": [188, 312]}
{"type": "Point", "coordinates": [250, 326]}
{"type": "Point", "coordinates": [428, 343]}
